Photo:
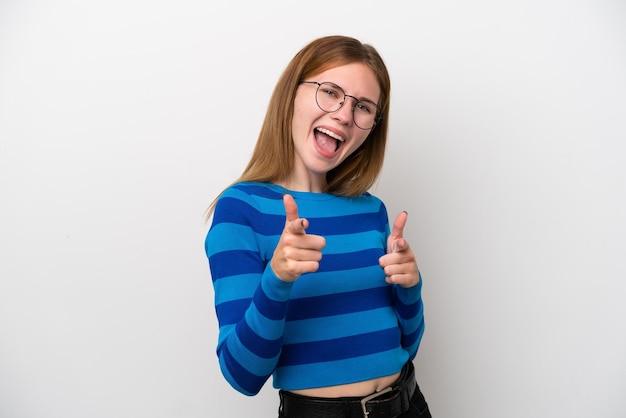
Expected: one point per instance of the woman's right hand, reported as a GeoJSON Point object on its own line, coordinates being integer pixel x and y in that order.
{"type": "Point", "coordinates": [297, 252]}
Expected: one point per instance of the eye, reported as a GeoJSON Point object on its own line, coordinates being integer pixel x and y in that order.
{"type": "Point", "coordinates": [331, 91]}
{"type": "Point", "coordinates": [366, 107]}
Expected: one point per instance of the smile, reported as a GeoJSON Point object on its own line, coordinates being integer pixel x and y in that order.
{"type": "Point", "coordinates": [328, 141]}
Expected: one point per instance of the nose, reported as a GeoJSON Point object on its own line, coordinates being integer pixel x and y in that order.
{"type": "Point", "coordinates": [344, 113]}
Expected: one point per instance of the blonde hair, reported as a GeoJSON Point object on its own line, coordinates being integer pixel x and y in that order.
{"type": "Point", "coordinates": [273, 156]}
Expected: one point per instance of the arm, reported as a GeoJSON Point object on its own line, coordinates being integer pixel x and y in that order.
{"type": "Point", "coordinates": [250, 301]}
{"type": "Point", "coordinates": [255, 258]}
{"type": "Point", "coordinates": [401, 269]}
{"type": "Point", "coordinates": [410, 314]}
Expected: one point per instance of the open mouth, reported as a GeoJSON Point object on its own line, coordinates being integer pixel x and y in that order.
{"type": "Point", "coordinates": [328, 140]}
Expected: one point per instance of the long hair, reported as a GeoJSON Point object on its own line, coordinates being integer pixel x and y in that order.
{"type": "Point", "coordinates": [273, 157]}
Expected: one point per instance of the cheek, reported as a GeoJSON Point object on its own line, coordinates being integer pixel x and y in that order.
{"type": "Point", "coordinates": [302, 116]}
{"type": "Point", "coordinates": [297, 121]}
{"type": "Point", "coordinates": [358, 142]}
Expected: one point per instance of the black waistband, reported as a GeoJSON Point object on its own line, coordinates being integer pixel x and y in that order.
{"type": "Point", "coordinates": [387, 403]}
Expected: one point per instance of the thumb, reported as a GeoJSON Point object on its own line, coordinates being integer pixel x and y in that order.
{"type": "Point", "coordinates": [399, 245]}
{"type": "Point", "coordinates": [291, 212]}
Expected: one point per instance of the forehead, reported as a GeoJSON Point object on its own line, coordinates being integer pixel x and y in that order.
{"type": "Point", "coordinates": [356, 79]}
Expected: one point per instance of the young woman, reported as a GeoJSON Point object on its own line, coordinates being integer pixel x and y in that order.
{"type": "Point", "coordinates": [312, 284]}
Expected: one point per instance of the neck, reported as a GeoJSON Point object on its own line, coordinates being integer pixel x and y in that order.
{"type": "Point", "coordinates": [303, 179]}
{"type": "Point", "coordinates": [308, 184]}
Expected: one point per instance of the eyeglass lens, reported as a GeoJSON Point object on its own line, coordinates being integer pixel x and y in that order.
{"type": "Point", "coordinates": [330, 97]}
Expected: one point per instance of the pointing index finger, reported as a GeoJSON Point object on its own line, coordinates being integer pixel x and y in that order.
{"type": "Point", "coordinates": [291, 208]}
{"type": "Point", "coordinates": [398, 225]}
{"type": "Point", "coordinates": [291, 212]}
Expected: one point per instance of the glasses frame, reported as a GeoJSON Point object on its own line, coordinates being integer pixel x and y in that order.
{"type": "Point", "coordinates": [377, 118]}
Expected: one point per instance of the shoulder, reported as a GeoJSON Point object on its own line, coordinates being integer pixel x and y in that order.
{"type": "Point", "coordinates": [368, 202]}
{"type": "Point", "coordinates": [362, 209]}
{"type": "Point", "coordinates": [247, 202]}
{"type": "Point", "coordinates": [250, 191]}
{"type": "Point", "coordinates": [369, 197]}
{"type": "Point", "coordinates": [256, 195]}
{"type": "Point", "coordinates": [374, 205]}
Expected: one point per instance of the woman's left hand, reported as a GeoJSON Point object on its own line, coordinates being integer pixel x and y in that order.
{"type": "Point", "coordinates": [399, 263]}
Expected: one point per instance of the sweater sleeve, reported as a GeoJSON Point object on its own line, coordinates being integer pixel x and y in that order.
{"type": "Point", "coordinates": [250, 301]}
{"type": "Point", "coordinates": [409, 309]}
{"type": "Point", "coordinates": [410, 314]}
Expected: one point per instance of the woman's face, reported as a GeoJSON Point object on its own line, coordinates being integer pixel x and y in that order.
{"type": "Point", "coordinates": [324, 140]}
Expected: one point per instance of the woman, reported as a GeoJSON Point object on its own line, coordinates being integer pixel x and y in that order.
{"type": "Point", "coordinates": [312, 285]}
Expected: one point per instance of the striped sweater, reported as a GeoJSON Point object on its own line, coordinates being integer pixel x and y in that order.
{"type": "Point", "coordinates": [341, 324]}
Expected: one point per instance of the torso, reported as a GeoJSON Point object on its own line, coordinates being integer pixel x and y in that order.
{"type": "Point", "coordinates": [365, 299]}
{"type": "Point", "coordinates": [364, 388]}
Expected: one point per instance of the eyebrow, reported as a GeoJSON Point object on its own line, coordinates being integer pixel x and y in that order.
{"type": "Point", "coordinates": [360, 99]}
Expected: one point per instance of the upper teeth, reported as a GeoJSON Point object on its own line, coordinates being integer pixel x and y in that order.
{"type": "Point", "coordinates": [331, 134]}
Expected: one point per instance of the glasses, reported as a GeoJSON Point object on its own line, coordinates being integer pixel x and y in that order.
{"type": "Point", "coordinates": [330, 98]}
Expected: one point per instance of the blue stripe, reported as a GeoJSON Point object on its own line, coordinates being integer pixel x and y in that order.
{"type": "Point", "coordinates": [261, 190]}
{"type": "Point", "coordinates": [233, 263]}
{"type": "Point", "coordinates": [235, 211]}
{"type": "Point", "coordinates": [340, 348]}
{"type": "Point", "coordinates": [269, 308]}
{"type": "Point", "coordinates": [331, 327]}
{"type": "Point", "coordinates": [350, 261]}
{"type": "Point", "coordinates": [348, 224]}
{"type": "Point", "coordinates": [230, 237]}
{"type": "Point", "coordinates": [267, 329]}
{"type": "Point", "coordinates": [313, 284]}
{"type": "Point", "coordinates": [407, 311]}
{"type": "Point", "coordinates": [355, 242]}
{"type": "Point", "coordinates": [411, 339]}
{"type": "Point", "coordinates": [337, 304]}
{"type": "Point", "coordinates": [249, 383]}
{"type": "Point", "coordinates": [231, 312]}
{"type": "Point", "coordinates": [235, 287]}
{"type": "Point", "coordinates": [409, 325]}
{"type": "Point", "coordinates": [258, 345]}
{"type": "Point", "coordinates": [326, 374]}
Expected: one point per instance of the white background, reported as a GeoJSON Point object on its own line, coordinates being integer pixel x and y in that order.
{"type": "Point", "coordinates": [121, 120]}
